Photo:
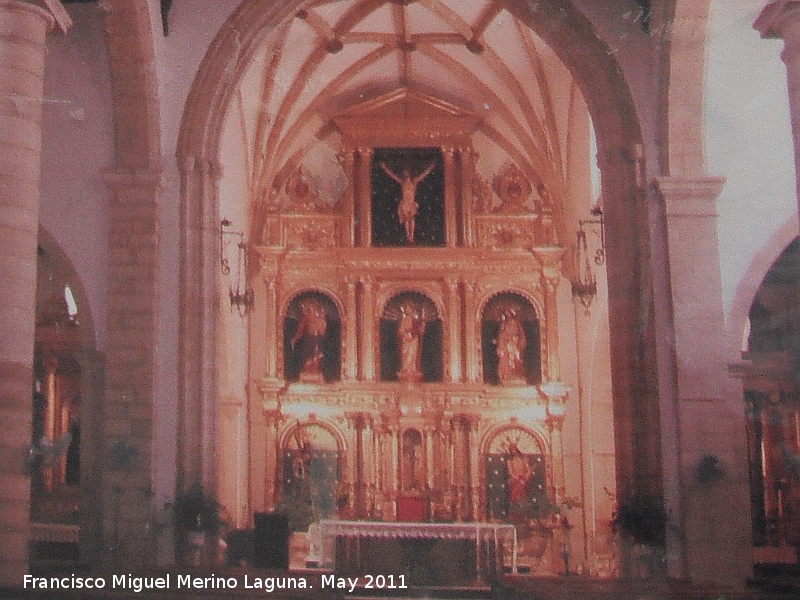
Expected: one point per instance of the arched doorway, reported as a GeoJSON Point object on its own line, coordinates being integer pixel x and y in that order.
{"type": "Point", "coordinates": [62, 461]}
{"type": "Point", "coordinates": [772, 402]}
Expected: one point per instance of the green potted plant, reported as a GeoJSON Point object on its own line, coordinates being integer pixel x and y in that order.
{"type": "Point", "coordinates": [642, 522]}
{"type": "Point", "coordinates": [198, 521]}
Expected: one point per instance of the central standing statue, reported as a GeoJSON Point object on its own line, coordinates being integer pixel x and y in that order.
{"type": "Point", "coordinates": [407, 208]}
{"type": "Point", "coordinates": [410, 330]}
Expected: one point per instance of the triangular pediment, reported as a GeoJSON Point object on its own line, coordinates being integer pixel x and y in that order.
{"type": "Point", "coordinates": [405, 103]}
{"type": "Point", "coordinates": [402, 118]}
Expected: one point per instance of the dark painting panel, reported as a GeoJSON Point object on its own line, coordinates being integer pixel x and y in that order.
{"type": "Point", "coordinates": [387, 230]}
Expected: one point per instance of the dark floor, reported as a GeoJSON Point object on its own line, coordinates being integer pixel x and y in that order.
{"type": "Point", "coordinates": [508, 588]}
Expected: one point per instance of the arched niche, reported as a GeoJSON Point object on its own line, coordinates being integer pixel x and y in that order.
{"type": "Point", "coordinates": [516, 476]}
{"type": "Point", "coordinates": [510, 341]}
{"type": "Point", "coordinates": [412, 472]}
{"type": "Point", "coordinates": [310, 468]}
{"type": "Point", "coordinates": [312, 339]}
{"type": "Point", "coordinates": [411, 339]}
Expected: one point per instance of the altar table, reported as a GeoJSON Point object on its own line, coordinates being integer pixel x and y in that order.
{"type": "Point", "coordinates": [494, 537]}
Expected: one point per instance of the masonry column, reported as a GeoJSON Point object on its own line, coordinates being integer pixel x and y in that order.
{"type": "Point", "coordinates": [23, 28]}
{"type": "Point", "coordinates": [709, 530]}
{"type": "Point", "coordinates": [130, 363]}
{"type": "Point", "coordinates": [781, 19]}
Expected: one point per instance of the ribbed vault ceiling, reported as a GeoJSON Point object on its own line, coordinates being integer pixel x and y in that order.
{"type": "Point", "coordinates": [474, 54]}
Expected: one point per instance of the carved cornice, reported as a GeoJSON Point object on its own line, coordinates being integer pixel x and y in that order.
{"type": "Point", "coordinates": [405, 118]}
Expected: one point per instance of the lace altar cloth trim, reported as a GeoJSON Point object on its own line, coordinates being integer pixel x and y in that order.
{"type": "Point", "coordinates": [461, 531]}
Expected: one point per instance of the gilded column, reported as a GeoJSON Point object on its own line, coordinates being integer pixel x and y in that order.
{"type": "Point", "coordinates": [472, 457]}
{"type": "Point", "coordinates": [467, 157]}
{"type": "Point", "coordinates": [272, 420]}
{"type": "Point", "coordinates": [446, 433]}
{"type": "Point", "coordinates": [394, 433]}
{"type": "Point", "coordinates": [364, 191]}
{"type": "Point", "coordinates": [550, 259]}
{"type": "Point", "coordinates": [351, 332]}
{"type": "Point", "coordinates": [471, 342]}
{"type": "Point", "coordinates": [368, 441]}
{"type": "Point", "coordinates": [348, 200]}
{"type": "Point", "coordinates": [23, 28]}
{"type": "Point", "coordinates": [450, 219]}
{"type": "Point", "coordinates": [554, 427]}
{"type": "Point", "coordinates": [379, 464]}
{"type": "Point", "coordinates": [459, 476]}
{"type": "Point", "coordinates": [367, 330]}
{"type": "Point", "coordinates": [356, 462]}
{"type": "Point", "coordinates": [272, 326]}
{"type": "Point", "coordinates": [454, 311]}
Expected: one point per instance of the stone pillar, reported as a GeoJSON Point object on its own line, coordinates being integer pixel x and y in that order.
{"type": "Point", "coordinates": [367, 331]}
{"type": "Point", "coordinates": [348, 200]}
{"type": "Point", "coordinates": [781, 19]}
{"type": "Point", "coordinates": [709, 536]}
{"type": "Point", "coordinates": [351, 332]}
{"type": "Point", "coordinates": [364, 191]}
{"type": "Point", "coordinates": [467, 157]}
{"type": "Point", "coordinates": [450, 221]}
{"type": "Point", "coordinates": [453, 330]}
{"type": "Point", "coordinates": [23, 28]}
{"type": "Point", "coordinates": [130, 363]}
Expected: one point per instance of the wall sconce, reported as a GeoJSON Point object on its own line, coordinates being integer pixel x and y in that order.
{"type": "Point", "coordinates": [584, 286]}
{"type": "Point", "coordinates": [556, 393]}
{"type": "Point", "coordinates": [240, 295]}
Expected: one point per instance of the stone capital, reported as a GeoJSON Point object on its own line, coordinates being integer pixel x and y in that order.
{"type": "Point", "coordinates": [127, 178]}
{"type": "Point", "coordinates": [690, 196]}
{"type": "Point", "coordinates": [779, 19]}
{"type": "Point", "coordinates": [34, 9]}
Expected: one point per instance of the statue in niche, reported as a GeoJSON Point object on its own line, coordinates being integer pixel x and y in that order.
{"type": "Point", "coordinates": [410, 329]}
{"type": "Point", "coordinates": [510, 345]}
{"type": "Point", "coordinates": [309, 335]}
{"type": "Point", "coordinates": [519, 475]}
{"type": "Point", "coordinates": [407, 208]}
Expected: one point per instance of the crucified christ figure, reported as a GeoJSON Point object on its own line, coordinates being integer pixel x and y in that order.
{"type": "Point", "coordinates": [408, 207]}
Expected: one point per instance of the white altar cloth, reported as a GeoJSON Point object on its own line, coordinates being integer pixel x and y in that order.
{"type": "Point", "coordinates": [493, 534]}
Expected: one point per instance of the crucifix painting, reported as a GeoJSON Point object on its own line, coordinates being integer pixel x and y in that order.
{"type": "Point", "coordinates": [407, 197]}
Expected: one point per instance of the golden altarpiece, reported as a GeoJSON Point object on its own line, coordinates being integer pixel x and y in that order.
{"type": "Point", "coordinates": [407, 333]}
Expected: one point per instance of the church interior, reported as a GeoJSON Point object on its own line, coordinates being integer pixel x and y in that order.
{"type": "Point", "coordinates": [395, 264]}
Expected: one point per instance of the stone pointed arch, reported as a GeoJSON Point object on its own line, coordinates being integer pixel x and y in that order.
{"type": "Point", "coordinates": [574, 39]}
